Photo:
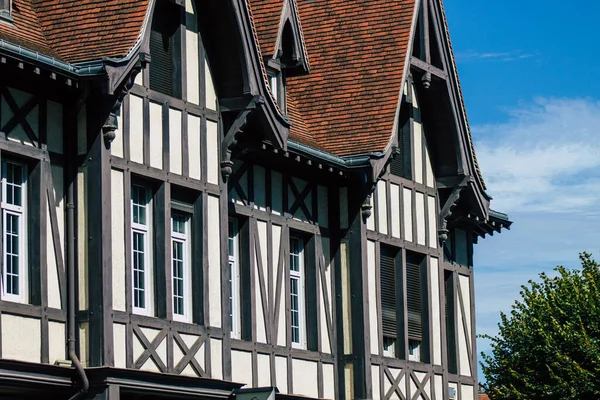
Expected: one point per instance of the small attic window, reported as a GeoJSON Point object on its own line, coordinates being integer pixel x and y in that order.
{"type": "Point", "coordinates": [5, 10]}
{"type": "Point", "coordinates": [276, 83]}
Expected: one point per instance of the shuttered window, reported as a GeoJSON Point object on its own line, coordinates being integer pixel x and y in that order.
{"type": "Point", "coordinates": [413, 296]}
{"type": "Point", "coordinates": [165, 57]}
{"type": "Point", "coordinates": [388, 291]}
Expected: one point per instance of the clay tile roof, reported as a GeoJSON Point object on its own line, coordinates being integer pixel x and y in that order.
{"type": "Point", "coordinates": [25, 29]}
{"type": "Point", "coordinates": [75, 30]}
{"type": "Point", "coordinates": [358, 52]}
{"type": "Point", "coordinates": [267, 14]}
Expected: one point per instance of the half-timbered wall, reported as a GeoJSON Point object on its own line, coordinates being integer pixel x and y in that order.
{"type": "Point", "coordinates": [405, 218]}
{"type": "Point", "coordinates": [274, 207]}
{"type": "Point", "coordinates": [33, 302]}
{"type": "Point", "coordinates": [167, 145]}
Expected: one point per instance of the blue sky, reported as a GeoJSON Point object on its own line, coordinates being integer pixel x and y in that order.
{"type": "Point", "coordinates": [528, 72]}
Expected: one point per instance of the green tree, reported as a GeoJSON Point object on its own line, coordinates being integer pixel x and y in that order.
{"type": "Point", "coordinates": [549, 345]}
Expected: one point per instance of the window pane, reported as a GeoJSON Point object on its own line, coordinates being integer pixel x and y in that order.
{"type": "Point", "coordinates": [11, 241]}
{"type": "Point", "coordinates": [139, 298]}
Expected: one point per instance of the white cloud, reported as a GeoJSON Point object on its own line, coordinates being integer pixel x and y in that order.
{"type": "Point", "coordinates": [545, 158]}
{"type": "Point", "coordinates": [471, 55]}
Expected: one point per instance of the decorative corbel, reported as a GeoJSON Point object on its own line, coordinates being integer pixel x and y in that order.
{"type": "Point", "coordinates": [426, 80]}
{"type": "Point", "coordinates": [366, 207]}
{"type": "Point", "coordinates": [111, 125]}
{"type": "Point", "coordinates": [231, 138]}
{"type": "Point", "coordinates": [446, 211]}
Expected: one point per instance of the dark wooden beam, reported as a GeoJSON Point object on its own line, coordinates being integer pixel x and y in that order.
{"type": "Point", "coordinates": [427, 68]}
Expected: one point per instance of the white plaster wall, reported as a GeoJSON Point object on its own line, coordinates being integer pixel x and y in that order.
{"type": "Point", "coordinates": [432, 229]}
{"type": "Point", "coordinates": [280, 319]}
{"type": "Point", "coordinates": [214, 261]}
{"type": "Point", "coordinates": [216, 358]}
{"type": "Point", "coordinates": [276, 193]}
{"type": "Point", "coordinates": [211, 96]}
{"type": "Point", "coordinates": [395, 206]}
{"type": "Point", "coordinates": [54, 299]}
{"type": "Point", "coordinates": [372, 296]}
{"type": "Point", "coordinates": [263, 364]}
{"type": "Point", "coordinates": [438, 384]}
{"type": "Point", "coordinates": [407, 214]}
{"type": "Point", "coordinates": [305, 378]}
{"type": "Point", "coordinates": [371, 218]}
{"type": "Point", "coordinates": [325, 339]}
{"type": "Point", "coordinates": [116, 146]}
{"type": "Point", "coordinates": [322, 196]}
{"type": "Point", "coordinates": [420, 214]}
{"type": "Point", "coordinates": [136, 129]}
{"type": "Point", "coordinates": [436, 316]}
{"type": "Point", "coordinates": [300, 185]}
{"type": "Point", "coordinates": [281, 374]}
{"type": "Point", "coordinates": [387, 385]}
{"type": "Point", "coordinates": [191, 54]}
{"type": "Point", "coordinates": [21, 338]}
{"type": "Point", "coordinates": [261, 314]}
{"type": "Point", "coordinates": [466, 299]}
{"type": "Point", "coordinates": [328, 381]}
{"type": "Point", "coordinates": [56, 342]}
{"type": "Point", "coordinates": [241, 367]}
{"type": "Point", "coordinates": [464, 366]}
{"type": "Point", "coordinates": [376, 383]}
{"type": "Point", "coordinates": [84, 353]}
{"type": "Point", "coordinates": [120, 345]}
{"type": "Point", "coordinates": [175, 149]}
{"type": "Point", "coordinates": [18, 133]}
{"type": "Point", "coordinates": [347, 314]}
{"type": "Point", "coordinates": [82, 244]}
{"type": "Point", "coordinates": [260, 188]}
{"type": "Point", "coordinates": [156, 135]}
{"type": "Point", "coordinates": [118, 240]}
{"type": "Point", "coordinates": [194, 147]}
{"type": "Point", "coordinates": [343, 208]}
{"type": "Point", "coordinates": [418, 152]}
{"type": "Point", "coordinates": [467, 392]}
{"type": "Point", "coordinates": [413, 386]}
{"type": "Point", "coordinates": [212, 152]}
{"type": "Point", "coordinates": [430, 178]}
{"type": "Point", "coordinates": [54, 125]}
{"type": "Point", "coordinates": [349, 380]}
{"type": "Point", "coordinates": [382, 207]}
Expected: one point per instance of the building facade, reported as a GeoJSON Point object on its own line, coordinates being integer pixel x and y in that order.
{"type": "Point", "coordinates": [200, 196]}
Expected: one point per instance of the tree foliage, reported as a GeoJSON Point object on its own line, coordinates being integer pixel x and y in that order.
{"type": "Point", "coordinates": [549, 345]}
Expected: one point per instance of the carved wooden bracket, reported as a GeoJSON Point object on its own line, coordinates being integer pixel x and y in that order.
{"type": "Point", "coordinates": [232, 136]}
{"type": "Point", "coordinates": [446, 211]}
{"type": "Point", "coordinates": [110, 126]}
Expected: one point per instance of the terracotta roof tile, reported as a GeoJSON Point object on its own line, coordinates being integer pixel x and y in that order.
{"type": "Point", "coordinates": [358, 52]}
{"type": "Point", "coordinates": [88, 30]}
{"type": "Point", "coordinates": [74, 30]}
{"type": "Point", "coordinates": [267, 15]}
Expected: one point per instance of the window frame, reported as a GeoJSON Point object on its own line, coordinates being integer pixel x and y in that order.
{"type": "Point", "coordinates": [233, 261]}
{"type": "Point", "coordinates": [185, 239]}
{"type": "Point", "coordinates": [146, 231]}
{"type": "Point", "coordinates": [300, 277]}
{"type": "Point", "coordinates": [21, 213]}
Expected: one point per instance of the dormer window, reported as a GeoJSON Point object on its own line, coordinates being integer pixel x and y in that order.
{"type": "Point", "coordinates": [5, 10]}
{"type": "Point", "coordinates": [276, 83]}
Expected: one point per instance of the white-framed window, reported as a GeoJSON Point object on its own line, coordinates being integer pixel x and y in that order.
{"type": "Point", "coordinates": [389, 346]}
{"type": "Point", "coordinates": [181, 266]}
{"type": "Point", "coordinates": [297, 293]}
{"type": "Point", "coordinates": [414, 350]}
{"type": "Point", "coordinates": [235, 315]}
{"type": "Point", "coordinates": [141, 263]}
{"type": "Point", "coordinates": [274, 83]}
{"type": "Point", "coordinates": [14, 244]}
